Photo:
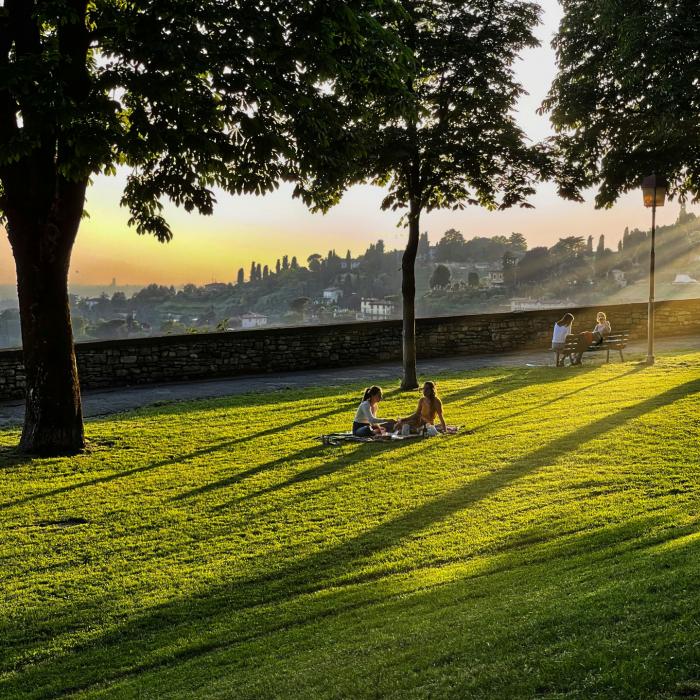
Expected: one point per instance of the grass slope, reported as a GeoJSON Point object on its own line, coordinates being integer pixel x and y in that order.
{"type": "Point", "coordinates": [215, 550]}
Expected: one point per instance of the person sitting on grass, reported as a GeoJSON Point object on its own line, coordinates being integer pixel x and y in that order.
{"type": "Point", "coordinates": [562, 329]}
{"type": "Point", "coordinates": [429, 407]}
{"type": "Point", "coordinates": [595, 337]}
{"type": "Point", "coordinates": [366, 423]}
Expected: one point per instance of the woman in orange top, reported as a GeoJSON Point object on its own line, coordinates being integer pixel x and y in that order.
{"type": "Point", "coordinates": [429, 407]}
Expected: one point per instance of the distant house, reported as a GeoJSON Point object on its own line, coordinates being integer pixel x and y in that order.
{"type": "Point", "coordinates": [377, 308]}
{"type": "Point", "coordinates": [354, 264]}
{"type": "Point", "coordinates": [253, 320]}
{"type": "Point", "coordinates": [684, 279]}
{"type": "Point", "coordinates": [529, 304]}
{"type": "Point", "coordinates": [618, 277]}
{"type": "Point", "coordinates": [216, 287]}
{"type": "Point", "coordinates": [332, 294]}
{"type": "Point", "coordinates": [495, 278]}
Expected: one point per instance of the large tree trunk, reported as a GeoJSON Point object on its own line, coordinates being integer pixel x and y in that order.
{"type": "Point", "coordinates": [41, 246]}
{"type": "Point", "coordinates": [408, 292]}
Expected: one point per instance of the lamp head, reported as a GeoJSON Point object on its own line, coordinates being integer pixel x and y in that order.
{"type": "Point", "coordinates": [654, 190]}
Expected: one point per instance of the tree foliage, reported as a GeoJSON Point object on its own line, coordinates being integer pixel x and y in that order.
{"type": "Point", "coordinates": [187, 97]}
{"type": "Point", "coordinates": [441, 276]}
{"type": "Point", "coordinates": [237, 95]}
{"type": "Point", "coordinates": [626, 99]}
{"type": "Point", "coordinates": [459, 143]}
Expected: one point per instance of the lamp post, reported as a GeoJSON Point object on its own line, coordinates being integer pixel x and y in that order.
{"type": "Point", "coordinates": [654, 192]}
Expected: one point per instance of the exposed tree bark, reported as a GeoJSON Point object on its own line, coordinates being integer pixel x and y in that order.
{"type": "Point", "coordinates": [43, 210]}
{"type": "Point", "coordinates": [408, 286]}
{"type": "Point", "coordinates": [42, 246]}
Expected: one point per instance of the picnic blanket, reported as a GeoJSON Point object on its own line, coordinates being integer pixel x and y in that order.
{"type": "Point", "coordinates": [339, 438]}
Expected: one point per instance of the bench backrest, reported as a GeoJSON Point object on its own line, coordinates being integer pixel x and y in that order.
{"type": "Point", "coordinates": [619, 338]}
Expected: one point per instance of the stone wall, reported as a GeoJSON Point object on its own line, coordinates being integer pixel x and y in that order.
{"type": "Point", "coordinates": [177, 358]}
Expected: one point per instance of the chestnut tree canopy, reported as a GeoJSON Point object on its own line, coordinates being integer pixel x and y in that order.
{"type": "Point", "coordinates": [626, 98]}
{"type": "Point", "coordinates": [187, 96]}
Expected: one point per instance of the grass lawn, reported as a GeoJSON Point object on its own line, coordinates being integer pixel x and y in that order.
{"type": "Point", "coordinates": [214, 549]}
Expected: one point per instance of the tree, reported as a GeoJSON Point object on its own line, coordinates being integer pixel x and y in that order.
{"type": "Point", "coordinates": [241, 276]}
{"type": "Point", "coordinates": [600, 250]}
{"type": "Point", "coordinates": [294, 264]}
{"type": "Point", "coordinates": [450, 248]}
{"type": "Point", "coordinates": [285, 262]}
{"type": "Point", "coordinates": [118, 300]}
{"type": "Point", "coordinates": [534, 267]}
{"type": "Point", "coordinates": [473, 279]}
{"type": "Point", "coordinates": [278, 267]}
{"type": "Point", "coordinates": [298, 305]}
{"type": "Point", "coordinates": [589, 245]}
{"type": "Point", "coordinates": [265, 272]}
{"type": "Point", "coordinates": [423, 246]}
{"type": "Point", "coordinates": [253, 272]}
{"type": "Point", "coordinates": [314, 261]}
{"type": "Point", "coordinates": [236, 95]}
{"type": "Point", "coordinates": [516, 242]}
{"type": "Point", "coordinates": [459, 144]}
{"type": "Point", "coordinates": [441, 276]}
{"type": "Point", "coordinates": [625, 99]}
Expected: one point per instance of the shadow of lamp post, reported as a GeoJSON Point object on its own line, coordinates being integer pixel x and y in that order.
{"type": "Point", "coordinates": [654, 192]}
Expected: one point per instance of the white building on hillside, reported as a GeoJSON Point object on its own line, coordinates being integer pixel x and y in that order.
{"type": "Point", "coordinates": [684, 279]}
{"type": "Point", "coordinates": [618, 277]}
{"type": "Point", "coordinates": [377, 308]}
{"type": "Point", "coordinates": [495, 278]}
{"type": "Point", "coordinates": [253, 320]}
{"type": "Point", "coordinates": [332, 294]}
{"type": "Point", "coordinates": [529, 304]}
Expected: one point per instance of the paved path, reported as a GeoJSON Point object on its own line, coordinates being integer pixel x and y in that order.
{"type": "Point", "coordinates": [106, 401]}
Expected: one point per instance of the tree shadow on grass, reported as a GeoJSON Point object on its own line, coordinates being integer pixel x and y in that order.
{"type": "Point", "coordinates": [513, 381]}
{"type": "Point", "coordinates": [359, 454]}
{"type": "Point", "coordinates": [234, 479]}
{"type": "Point", "coordinates": [186, 630]}
{"type": "Point", "coordinates": [181, 459]}
{"type": "Point", "coordinates": [339, 563]}
{"type": "Point", "coordinates": [559, 398]}
{"type": "Point", "coordinates": [155, 639]}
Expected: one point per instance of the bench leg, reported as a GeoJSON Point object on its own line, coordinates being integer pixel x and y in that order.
{"type": "Point", "coordinates": [608, 357]}
{"type": "Point", "coordinates": [622, 359]}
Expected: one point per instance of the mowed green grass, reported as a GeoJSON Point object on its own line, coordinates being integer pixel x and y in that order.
{"type": "Point", "coordinates": [214, 549]}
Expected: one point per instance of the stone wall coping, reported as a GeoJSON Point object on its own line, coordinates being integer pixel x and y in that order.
{"type": "Point", "coordinates": [429, 321]}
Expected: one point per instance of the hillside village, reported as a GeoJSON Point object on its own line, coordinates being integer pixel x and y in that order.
{"type": "Point", "coordinates": [454, 276]}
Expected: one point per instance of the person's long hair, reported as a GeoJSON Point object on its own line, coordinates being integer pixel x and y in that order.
{"type": "Point", "coordinates": [430, 393]}
{"type": "Point", "coordinates": [372, 391]}
{"type": "Point", "coordinates": [565, 320]}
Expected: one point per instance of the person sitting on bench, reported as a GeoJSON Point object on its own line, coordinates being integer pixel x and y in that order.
{"type": "Point", "coordinates": [562, 329]}
{"type": "Point", "coordinates": [366, 423]}
{"type": "Point", "coordinates": [429, 408]}
{"type": "Point", "coordinates": [595, 337]}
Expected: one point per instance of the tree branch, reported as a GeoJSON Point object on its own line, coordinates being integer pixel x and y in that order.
{"type": "Point", "coordinates": [8, 106]}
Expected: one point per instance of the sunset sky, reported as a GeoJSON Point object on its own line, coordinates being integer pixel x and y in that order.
{"type": "Point", "coordinates": [246, 228]}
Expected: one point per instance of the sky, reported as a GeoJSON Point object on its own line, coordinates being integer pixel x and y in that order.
{"type": "Point", "coordinates": [245, 228]}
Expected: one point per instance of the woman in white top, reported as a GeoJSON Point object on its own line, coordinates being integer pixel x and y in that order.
{"type": "Point", "coordinates": [562, 329]}
{"type": "Point", "coordinates": [366, 422]}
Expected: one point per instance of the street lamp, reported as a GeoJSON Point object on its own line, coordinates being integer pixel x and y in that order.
{"type": "Point", "coordinates": [654, 191]}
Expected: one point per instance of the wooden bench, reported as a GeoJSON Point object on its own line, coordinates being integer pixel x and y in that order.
{"type": "Point", "coordinates": [614, 341]}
